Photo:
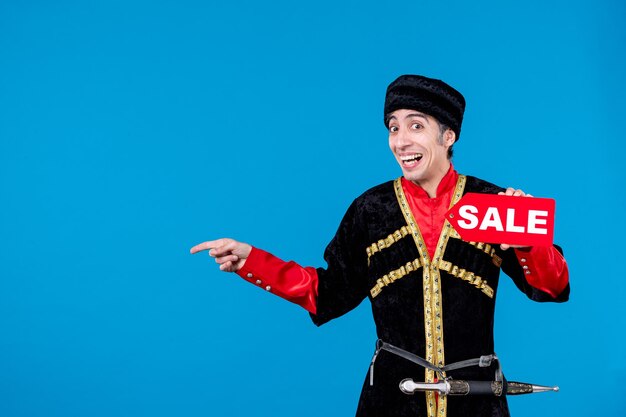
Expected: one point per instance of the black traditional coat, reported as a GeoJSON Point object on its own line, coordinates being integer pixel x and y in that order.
{"type": "Point", "coordinates": [441, 309]}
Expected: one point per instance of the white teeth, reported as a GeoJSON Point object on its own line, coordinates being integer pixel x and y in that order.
{"type": "Point", "coordinates": [413, 157]}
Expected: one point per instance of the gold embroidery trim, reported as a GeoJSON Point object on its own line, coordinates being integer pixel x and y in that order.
{"type": "Point", "coordinates": [489, 250]}
{"type": "Point", "coordinates": [386, 242]}
{"type": "Point", "coordinates": [468, 276]}
{"type": "Point", "coordinates": [433, 321]}
{"type": "Point", "coordinates": [394, 275]}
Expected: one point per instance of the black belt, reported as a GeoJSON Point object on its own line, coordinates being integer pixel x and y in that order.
{"type": "Point", "coordinates": [483, 361]}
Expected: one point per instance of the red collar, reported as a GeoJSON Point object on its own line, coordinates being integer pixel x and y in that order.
{"type": "Point", "coordinates": [447, 184]}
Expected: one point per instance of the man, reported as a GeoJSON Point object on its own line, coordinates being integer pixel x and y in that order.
{"type": "Point", "coordinates": [432, 293]}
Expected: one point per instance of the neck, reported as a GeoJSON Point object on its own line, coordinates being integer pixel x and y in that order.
{"type": "Point", "coordinates": [431, 184]}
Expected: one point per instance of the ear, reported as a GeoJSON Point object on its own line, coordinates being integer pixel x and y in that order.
{"type": "Point", "coordinates": [449, 137]}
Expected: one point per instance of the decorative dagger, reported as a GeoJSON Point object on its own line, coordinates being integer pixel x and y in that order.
{"type": "Point", "coordinates": [460, 387]}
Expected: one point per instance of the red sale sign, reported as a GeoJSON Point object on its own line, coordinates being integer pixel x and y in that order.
{"type": "Point", "coordinates": [526, 221]}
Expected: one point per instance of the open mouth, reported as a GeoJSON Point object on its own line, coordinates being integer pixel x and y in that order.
{"type": "Point", "coordinates": [411, 160]}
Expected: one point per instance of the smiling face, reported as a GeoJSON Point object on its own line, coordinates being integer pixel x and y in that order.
{"type": "Point", "coordinates": [419, 147]}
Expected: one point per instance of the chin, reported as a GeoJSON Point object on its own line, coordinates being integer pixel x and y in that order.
{"type": "Point", "coordinates": [412, 176]}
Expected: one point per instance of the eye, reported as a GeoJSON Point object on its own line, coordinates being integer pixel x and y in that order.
{"type": "Point", "coordinates": [416, 126]}
{"type": "Point", "coordinates": [393, 129]}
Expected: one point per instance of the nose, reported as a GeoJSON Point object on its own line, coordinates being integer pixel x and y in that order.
{"type": "Point", "coordinates": [402, 138]}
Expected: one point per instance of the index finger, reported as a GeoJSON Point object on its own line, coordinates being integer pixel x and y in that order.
{"type": "Point", "coordinates": [206, 245]}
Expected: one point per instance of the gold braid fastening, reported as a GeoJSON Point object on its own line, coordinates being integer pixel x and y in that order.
{"type": "Point", "coordinates": [387, 242]}
{"type": "Point", "coordinates": [468, 276]}
{"type": "Point", "coordinates": [489, 250]}
{"type": "Point", "coordinates": [394, 275]}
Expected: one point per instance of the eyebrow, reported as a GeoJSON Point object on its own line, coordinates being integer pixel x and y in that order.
{"type": "Point", "coordinates": [416, 114]}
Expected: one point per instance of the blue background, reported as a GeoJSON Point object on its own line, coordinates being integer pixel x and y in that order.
{"type": "Point", "coordinates": [132, 130]}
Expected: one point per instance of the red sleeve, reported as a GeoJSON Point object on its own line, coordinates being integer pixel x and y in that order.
{"type": "Point", "coordinates": [286, 279]}
{"type": "Point", "coordinates": [545, 268]}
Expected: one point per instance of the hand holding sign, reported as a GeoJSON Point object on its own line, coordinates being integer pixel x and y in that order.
{"type": "Point", "coordinates": [505, 219]}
